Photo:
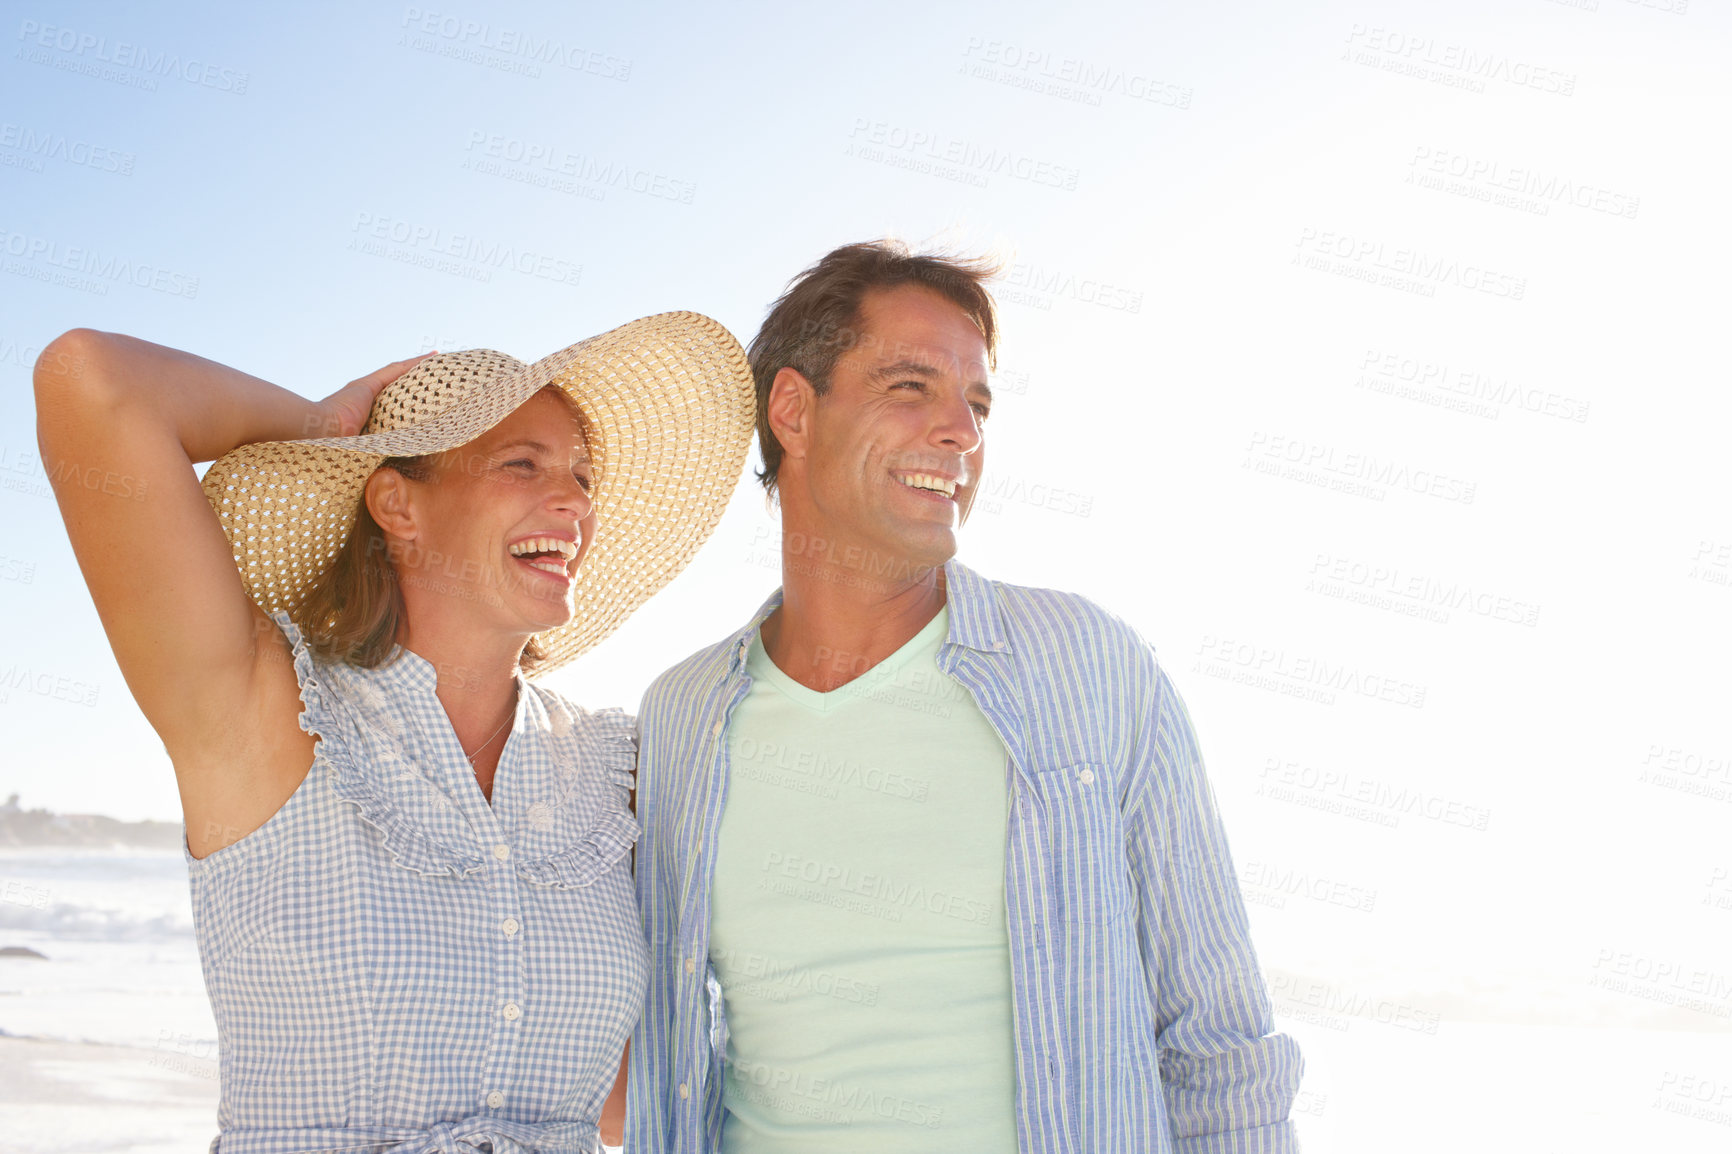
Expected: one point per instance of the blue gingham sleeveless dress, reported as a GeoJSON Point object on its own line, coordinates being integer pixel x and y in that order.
{"type": "Point", "coordinates": [395, 965]}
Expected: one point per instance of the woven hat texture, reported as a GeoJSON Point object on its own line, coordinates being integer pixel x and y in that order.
{"type": "Point", "coordinates": [669, 405]}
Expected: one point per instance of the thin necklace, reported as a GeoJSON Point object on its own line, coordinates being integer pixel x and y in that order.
{"type": "Point", "coordinates": [490, 737]}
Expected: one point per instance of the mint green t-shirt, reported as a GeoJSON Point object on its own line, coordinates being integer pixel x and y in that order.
{"type": "Point", "coordinates": [857, 918]}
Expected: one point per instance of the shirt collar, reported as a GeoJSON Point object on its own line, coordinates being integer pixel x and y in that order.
{"type": "Point", "coordinates": [974, 617]}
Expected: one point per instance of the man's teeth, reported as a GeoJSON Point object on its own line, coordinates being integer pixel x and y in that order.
{"type": "Point", "coordinates": [927, 481]}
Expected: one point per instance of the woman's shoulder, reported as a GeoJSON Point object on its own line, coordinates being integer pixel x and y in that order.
{"type": "Point", "coordinates": [611, 724]}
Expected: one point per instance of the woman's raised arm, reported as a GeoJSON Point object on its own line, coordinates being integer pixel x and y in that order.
{"type": "Point", "coordinates": [120, 423]}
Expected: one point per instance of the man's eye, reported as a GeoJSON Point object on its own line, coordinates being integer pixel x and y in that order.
{"type": "Point", "coordinates": [520, 463]}
{"type": "Point", "coordinates": [921, 385]}
{"type": "Point", "coordinates": [982, 411]}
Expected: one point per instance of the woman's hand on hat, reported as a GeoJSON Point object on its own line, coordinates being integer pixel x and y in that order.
{"type": "Point", "coordinates": [344, 413]}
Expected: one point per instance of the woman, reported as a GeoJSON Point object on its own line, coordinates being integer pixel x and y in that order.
{"type": "Point", "coordinates": [410, 871]}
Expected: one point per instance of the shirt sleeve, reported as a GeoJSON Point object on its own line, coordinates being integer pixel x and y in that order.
{"type": "Point", "coordinates": [1228, 1078]}
{"type": "Point", "coordinates": [650, 1109]}
{"type": "Point", "coordinates": [660, 1092]}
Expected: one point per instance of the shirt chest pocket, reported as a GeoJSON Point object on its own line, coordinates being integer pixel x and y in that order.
{"type": "Point", "coordinates": [1088, 880]}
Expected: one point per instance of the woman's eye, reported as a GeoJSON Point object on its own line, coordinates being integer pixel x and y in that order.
{"type": "Point", "coordinates": [587, 484]}
{"type": "Point", "coordinates": [521, 462]}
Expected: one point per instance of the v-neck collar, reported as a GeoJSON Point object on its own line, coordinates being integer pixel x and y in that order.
{"type": "Point", "coordinates": [759, 665]}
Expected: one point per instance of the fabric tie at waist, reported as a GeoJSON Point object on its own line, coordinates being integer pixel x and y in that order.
{"type": "Point", "coordinates": [476, 1134]}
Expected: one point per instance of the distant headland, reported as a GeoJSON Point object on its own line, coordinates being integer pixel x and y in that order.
{"type": "Point", "coordinates": [38, 827]}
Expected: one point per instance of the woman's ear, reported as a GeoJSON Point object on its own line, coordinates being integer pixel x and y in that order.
{"type": "Point", "coordinates": [389, 501]}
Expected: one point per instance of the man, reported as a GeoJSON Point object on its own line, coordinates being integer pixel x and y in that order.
{"type": "Point", "coordinates": [929, 862]}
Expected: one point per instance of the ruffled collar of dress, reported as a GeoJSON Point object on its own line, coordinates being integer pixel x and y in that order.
{"type": "Point", "coordinates": [559, 794]}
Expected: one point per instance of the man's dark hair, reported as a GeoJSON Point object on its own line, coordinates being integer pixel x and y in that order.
{"type": "Point", "coordinates": [818, 318]}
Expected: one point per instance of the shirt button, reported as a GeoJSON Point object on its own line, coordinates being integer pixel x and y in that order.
{"type": "Point", "coordinates": [716, 729]}
{"type": "Point", "coordinates": [495, 1100]}
{"type": "Point", "coordinates": [685, 1091]}
{"type": "Point", "coordinates": [691, 965]}
{"type": "Point", "coordinates": [1087, 777]}
{"type": "Point", "coordinates": [509, 927]}
{"type": "Point", "coordinates": [511, 1012]}
{"type": "Point", "coordinates": [501, 851]}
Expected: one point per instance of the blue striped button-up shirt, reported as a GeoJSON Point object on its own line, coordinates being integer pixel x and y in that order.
{"type": "Point", "coordinates": [1142, 1021]}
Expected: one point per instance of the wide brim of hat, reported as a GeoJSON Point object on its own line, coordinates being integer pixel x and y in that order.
{"type": "Point", "coordinates": [669, 405]}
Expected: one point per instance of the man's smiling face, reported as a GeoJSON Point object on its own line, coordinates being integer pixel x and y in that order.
{"type": "Point", "coordinates": [896, 445]}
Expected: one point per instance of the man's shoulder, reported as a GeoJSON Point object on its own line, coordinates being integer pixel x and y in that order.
{"type": "Point", "coordinates": [1043, 617]}
{"type": "Point", "coordinates": [689, 680]}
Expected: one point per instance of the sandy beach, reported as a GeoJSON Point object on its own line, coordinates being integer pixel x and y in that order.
{"type": "Point", "coordinates": [83, 1098]}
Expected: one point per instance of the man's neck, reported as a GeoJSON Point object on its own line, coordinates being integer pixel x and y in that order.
{"type": "Point", "coordinates": [837, 620]}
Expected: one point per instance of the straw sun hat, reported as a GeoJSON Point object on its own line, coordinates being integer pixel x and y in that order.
{"type": "Point", "coordinates": [669, 406]}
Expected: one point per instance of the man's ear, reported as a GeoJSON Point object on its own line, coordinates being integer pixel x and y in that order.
{"type": "Point", "coordinates": [789, 410]}
{"type": "Point", "coordinates": [388, 500]}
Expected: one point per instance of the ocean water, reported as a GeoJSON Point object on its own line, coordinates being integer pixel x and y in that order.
{"type": "Point", "coordinates": [109, 1045]}
{"type": "Point", "coordinates": [121, 968]}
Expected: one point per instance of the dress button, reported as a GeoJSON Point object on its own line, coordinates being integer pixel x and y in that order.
{"type": "Point", "coordinates": [691, 965]}
{"type": "Point", "coordinates": [509, 927]}
{"type": "Point", "coordinates": [511, 1012]}
{"type": "Point", "coordinates": [1087, 777]}
{"type": "Point", "coordinates": [495, 1100]}
{"type": "Point", "coordinates": [685, 1091]}
{"type": "Point", "coordinates": [501, 851]}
